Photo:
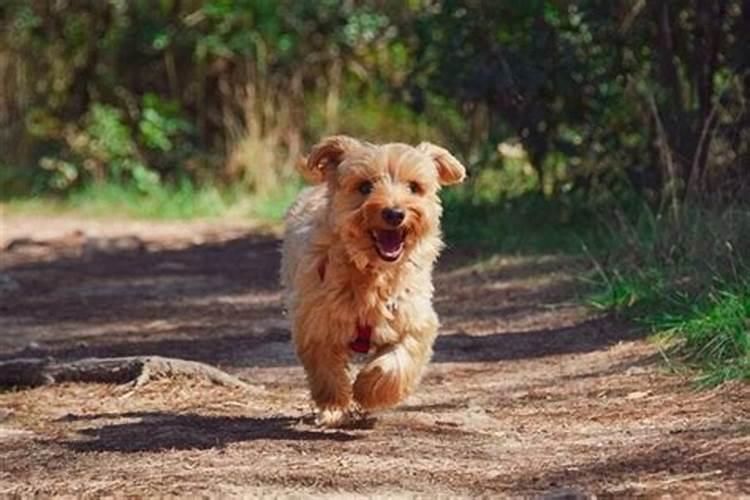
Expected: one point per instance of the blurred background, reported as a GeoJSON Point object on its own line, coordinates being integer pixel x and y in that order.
{"type": "Point", "coordinates": [618, 130]}
{"type": "Point", "coordinates": [583, 102]}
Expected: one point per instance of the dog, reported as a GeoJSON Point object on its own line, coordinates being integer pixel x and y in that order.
{"type": "Point", "coordinates": [357, 260]}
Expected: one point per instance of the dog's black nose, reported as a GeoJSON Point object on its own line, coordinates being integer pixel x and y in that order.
{"type": "Point", "coordinates": [393, 216]}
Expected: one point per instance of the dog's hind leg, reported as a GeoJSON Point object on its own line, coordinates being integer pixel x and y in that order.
{"type": "Point", "coordinates": [328, 377]}
{"type": "Point", "coordinates": [392, 373]}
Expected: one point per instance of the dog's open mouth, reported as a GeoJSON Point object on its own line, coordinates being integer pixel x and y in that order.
{"type": "Point", "coordinates": [389, 243]}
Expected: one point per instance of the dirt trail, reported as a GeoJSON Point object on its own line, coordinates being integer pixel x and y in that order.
{"type": "Point", "coordinates": [528, 394]}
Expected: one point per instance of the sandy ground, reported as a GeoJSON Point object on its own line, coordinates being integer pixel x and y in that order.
{"type": "Point", "coordinates": [529, 393]}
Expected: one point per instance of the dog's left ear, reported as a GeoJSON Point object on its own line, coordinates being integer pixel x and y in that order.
{"type": "Point", "coordinates": [450, 170]}
{"type": "Point", "coordinates": [325, 156]}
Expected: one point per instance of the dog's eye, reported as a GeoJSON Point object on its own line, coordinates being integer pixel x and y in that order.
{"type": "Point", "coordinates": [414, 187]}
{"type": "Point", "coordinates": [365, 187]}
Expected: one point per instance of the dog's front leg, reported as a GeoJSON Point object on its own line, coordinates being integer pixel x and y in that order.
{"type": "Point", "coordinates": [394, 371]}
{"type": "Point", "coordinates": [326, 366]}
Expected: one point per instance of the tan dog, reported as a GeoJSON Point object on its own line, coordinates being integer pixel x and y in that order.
{"type": "Point", "coordinates": [357, 269]}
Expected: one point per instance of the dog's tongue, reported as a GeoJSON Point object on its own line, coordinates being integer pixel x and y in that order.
{"type": "Point", "coordinates": [389, 241]}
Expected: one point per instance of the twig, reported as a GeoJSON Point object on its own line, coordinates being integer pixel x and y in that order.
{"type": "Point", "coordinates": [666, 154]}
{"type": "Point", "coordinates": [707, 134]}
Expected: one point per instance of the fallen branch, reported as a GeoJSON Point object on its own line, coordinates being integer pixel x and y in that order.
{"type": "Point", "coordinates": [138, 370]}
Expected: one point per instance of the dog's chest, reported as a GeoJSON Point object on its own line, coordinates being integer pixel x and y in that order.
{"type": "Point", "coordinates": [394, 301]}
{"type": "Point", "coordinates": [403, 308]}
{"type": "Point", "coordinates": [391, 305]}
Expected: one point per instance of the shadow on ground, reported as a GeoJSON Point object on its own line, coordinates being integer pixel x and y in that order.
{"type": "Point", "coordinates": [659, 465]}
{"type": "Point", "coordinates": [587, 336]}
{"type": "Point", "coordinates": [219, 302]}
{"type": "Point", "coordinates": [99, 287]}
{"type": "Point", "coordinates": [159, 431]}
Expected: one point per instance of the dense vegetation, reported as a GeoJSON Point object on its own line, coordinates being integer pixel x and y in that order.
{"type": "Point", "coordinates": [622, 124]}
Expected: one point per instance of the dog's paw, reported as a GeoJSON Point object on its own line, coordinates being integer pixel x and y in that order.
{"type": "Point", "coordinates": [333, 417]}
{"type": "Point", "coordinates": [341, 417]}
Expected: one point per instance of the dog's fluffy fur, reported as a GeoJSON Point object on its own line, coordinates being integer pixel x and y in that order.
{"type": "Point", "coordinates": [345, 265]}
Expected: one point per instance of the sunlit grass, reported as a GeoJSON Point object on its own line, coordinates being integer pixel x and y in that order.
{"type": "Point", "coordinates": [181, 201]}
{"type": "Point", "coordinates": [713, 333]}
{"type": "Point", "coordinates": [709, 331]}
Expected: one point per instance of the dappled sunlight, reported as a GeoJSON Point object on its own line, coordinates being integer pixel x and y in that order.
{"type": "Point", "coordinates": [240, 300]}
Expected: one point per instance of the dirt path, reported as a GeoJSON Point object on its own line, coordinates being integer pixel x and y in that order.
{"type": "Point", "coordinates": [528, 394]}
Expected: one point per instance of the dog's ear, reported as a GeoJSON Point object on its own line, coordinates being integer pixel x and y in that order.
{"type": "Point", "coordinates": [325, 156]}
{"type": "Point", "coordinates": [450, 170]}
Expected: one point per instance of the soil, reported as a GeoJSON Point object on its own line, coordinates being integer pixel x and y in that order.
{"type": "Point", "coordinates": [529, 393]}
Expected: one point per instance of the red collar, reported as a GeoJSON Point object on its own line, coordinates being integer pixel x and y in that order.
{"type": "Point", "coordinates": [361, 342]}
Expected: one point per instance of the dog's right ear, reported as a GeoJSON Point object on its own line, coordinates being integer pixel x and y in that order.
{"type": "Point", "coordinates": [326, 156]}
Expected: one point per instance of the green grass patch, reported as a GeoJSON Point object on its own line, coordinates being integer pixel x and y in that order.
{"type": "Point", "coordinates": [711, 333]}
{"type": "Point", "coordinates": [183, 200]}
{"type": "Point", "coordinates": [689, 285]}
{"type": "Point", "coordinates": [273, 206]}
{"type": "Point", "coordinates": [634, 293]}
{"type": "Point", "coordinates": [530, 224]}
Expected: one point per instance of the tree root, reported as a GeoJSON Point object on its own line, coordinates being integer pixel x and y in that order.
{"type": "Point", "coordinates": [137, 370]}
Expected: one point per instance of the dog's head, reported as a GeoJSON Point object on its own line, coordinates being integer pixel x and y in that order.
{"type": "Point", "coordinates": [384, 198]}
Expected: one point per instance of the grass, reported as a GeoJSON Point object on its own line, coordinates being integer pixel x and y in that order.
{"type": "Point", "coordinates": [711, 333]}
{"type": "Point", "coordinates": [689, 285]}
{"type": "Point", "coordinates": [634, 292]}
{"type": "Point", "coordinates": [528, 224]}
{"type": "Point", "coordinates": [181, 201]}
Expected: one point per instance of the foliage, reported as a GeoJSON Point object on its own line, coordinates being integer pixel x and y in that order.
{"type": "Point", "coordinates": [601, 93]}
{"type": "Point", "coordinates": [601, 97]}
